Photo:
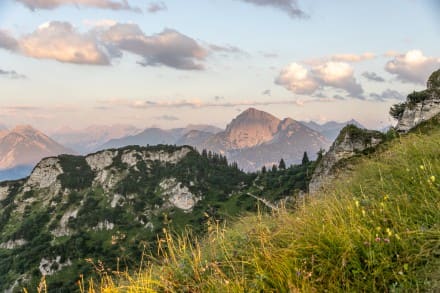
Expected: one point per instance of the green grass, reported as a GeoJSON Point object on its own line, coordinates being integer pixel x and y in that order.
{"type": "Point", "coordinates": [376, 229]}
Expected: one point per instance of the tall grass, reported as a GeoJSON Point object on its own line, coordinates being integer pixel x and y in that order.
{"type": "Point", "coordinates": [376, 229]}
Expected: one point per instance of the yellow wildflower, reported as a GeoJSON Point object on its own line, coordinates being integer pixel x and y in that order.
{"type": "Point", "coordinates": [432, 178]}
{"type": "Point", "coordinates": [389, 232]}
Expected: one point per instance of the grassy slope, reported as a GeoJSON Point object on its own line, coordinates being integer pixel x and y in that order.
{"type": "Point", "coordinates": [376, 229]}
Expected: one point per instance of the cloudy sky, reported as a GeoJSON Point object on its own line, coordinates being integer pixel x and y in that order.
{"type": "Point", "coordinates": [172, 62]}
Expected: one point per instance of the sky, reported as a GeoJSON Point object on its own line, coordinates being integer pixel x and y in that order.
{"type": "Point", "coordinates": [171, 63]}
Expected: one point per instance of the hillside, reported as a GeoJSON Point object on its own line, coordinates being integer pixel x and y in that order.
{"type": "Point", "coordinates": [375, 229]}
{"type": "Point", "coordinates": [112, 205]}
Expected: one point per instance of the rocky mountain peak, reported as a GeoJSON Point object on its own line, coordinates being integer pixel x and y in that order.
{"type": "Point", "coordinates": [24, 145]}
{"type": "Point", "coordinates": [286, 123]}
{"type": "Point", "coordinates": [251, 128]}
{"type": "Point", "coordinates": [24, 130]}
{"type": "Point", "coordinates": [419, 106]}
{"type": "Point", "coordinates": [351, 141]}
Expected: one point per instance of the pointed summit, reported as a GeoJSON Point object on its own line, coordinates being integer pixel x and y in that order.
{"type": "Point", "coordinates": [252, 127]}
{"type": "Point", "coordinates": [25, 145]}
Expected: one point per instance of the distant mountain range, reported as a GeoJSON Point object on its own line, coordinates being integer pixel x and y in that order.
{"type": "Point", "coordinates": [331, 129]}
{"type": "Point", "coordinates": [22, 147]}
{"type": "Point", "coordinates": [253, 139]}
{"type": "Point", "coordinates": [89, 139]}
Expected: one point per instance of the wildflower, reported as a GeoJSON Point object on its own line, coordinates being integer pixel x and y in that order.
{"type": "Point", "coordinates": [389, 232]}
{"type": "Point", "coordinates": [377, 239]}
{"type": "Point", "coordinates": [378, 228]}
{"type": "Point", "coordinates": [363, 212]}
{"type": "Point", "coordinates": [432, 178]}
{"type": "Point", "coordinates": [366, 243]}
{"type": "Point", "coordinates": [386, 197]}
{"type": "Point", "coordinates": [386, 240]}
{"type": "Point", "coordinates": [356, 203]}
{"type": "Point", "coordinates": [397, 236]}
{"type": "Point", "coordinates": [422, 167]}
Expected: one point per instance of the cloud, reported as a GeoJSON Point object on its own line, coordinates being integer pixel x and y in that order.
{"type": "Point", "coordinates": [100, 23]}
{"type": "Point", "coordinates": [227, 49]}
{"type": "Point", "coordinates": [102, 4]}
{"type": "Point", "coordinates": [58, 41]}
{"type": "Point", "coordinates": [296, 78]}
{"type": "Point", "coordinates": [167, 118]}
{"type": "Point", "coordinates": [352, 57]}
{"type": "Point", "coordinates": [291, 7]}
{"type": "Point", "coordinates": [7, 41]}
{"type": "Point", "coordinates": [196, 103]}
{"type": "Point", "coordinates": [155, 7]}
{"type": "Point", "coordinates": [387, 95]}
{"type": "Point", "coordinates": [169, 48]}
{"type": "Point", "coordinates": [412, 66]}
{"type": "Point", "coordinates": [347, 58]}
{"type": "Point", "coordinates": [301, 80]}
{"type": "Point", "coordinates": [12, 74]}
{"type": "Point", "coordinates": [373, 76]}
{"type": "Point", "coordinates": [266, 93]}
{"type": "Point", "coordinates": [218, 98]}
{"type": "Point", "coordinates": [269, 55]}
{"type": "Point", "coordinates": [105, 41]}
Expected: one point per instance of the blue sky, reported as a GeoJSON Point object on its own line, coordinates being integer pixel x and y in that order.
{"type": "Point", "coordinates": [204, 61]}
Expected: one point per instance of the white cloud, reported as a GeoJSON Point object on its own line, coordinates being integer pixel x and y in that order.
{"type": "Point", "coordinates": [301, 80]}
{"type": "Point", "coordinates": [107, 40]}
{"type": "Point", "coordinates": [100, 23]}
{"type": "Point", "coordinates": [61, 42]}
{"type": "Point", "coordinates": [412, 66]}
{"type": "Point", "coordinates": [296, 78]}
{"type": "Point", "coordinates": [103, 4]}
{"type": "Point", "coordinates": [353, 57]}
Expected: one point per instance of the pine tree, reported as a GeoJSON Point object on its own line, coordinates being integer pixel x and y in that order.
{"type": "Point", "coordinates": [282, 165]}
{"type": "Point", "coordinates": [305, 159]}
{"type": "Point", "coordinates": [264, 170]}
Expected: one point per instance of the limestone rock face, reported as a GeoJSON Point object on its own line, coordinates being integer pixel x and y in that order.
{"type": "Point", "coordinates": [4, 192]}
{"type": "Point", "coordinates": [101, 160]}
{"type": "Point", "coordinates": [350, 142]}
{"type": "Point", "coordinates": [421, 109]}
{"type": "Point", "coordinates": [414, 115]}
{"type": "Point", "coordinates": [45, 173]}
{"type": "Point", "coordinates": [178, 195]}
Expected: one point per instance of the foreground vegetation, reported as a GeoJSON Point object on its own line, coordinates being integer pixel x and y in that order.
{"type": "Point", "coordinates": [377, 228]}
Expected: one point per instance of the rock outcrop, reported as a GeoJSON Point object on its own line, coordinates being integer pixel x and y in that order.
{"type": "Point", "coordinates": [350, 142]}
{"type": "Point", "coordinates": [420, 106]}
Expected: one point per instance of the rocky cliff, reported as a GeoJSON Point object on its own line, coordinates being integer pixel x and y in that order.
{"type": "Point", "coordinates": [352, 141]}
{"type": "Point", "coordinates": [419, 106]}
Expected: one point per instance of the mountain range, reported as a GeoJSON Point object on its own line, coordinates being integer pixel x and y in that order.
{"type": "Point", "coordinates": [331, 129]}
{"type": "Point", "coordinates": [253, 139]}
{"type": "Point", "coordinates": [87, 140]}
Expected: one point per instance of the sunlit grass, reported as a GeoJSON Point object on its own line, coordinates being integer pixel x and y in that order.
{"type": "Point", "coordinates": [375, 229]}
